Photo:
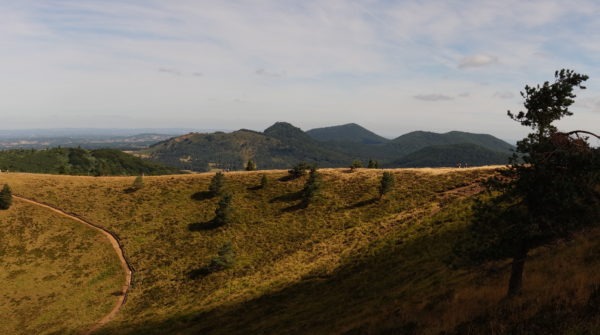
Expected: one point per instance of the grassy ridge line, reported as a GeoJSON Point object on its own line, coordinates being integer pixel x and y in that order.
{"type": "Point", "coordinates": [117, 246]}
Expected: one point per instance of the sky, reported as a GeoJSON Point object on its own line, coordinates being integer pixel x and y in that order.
{"type": "Point", "coordinates": [390, 66]}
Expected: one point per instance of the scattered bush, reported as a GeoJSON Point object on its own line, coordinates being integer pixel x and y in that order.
{"type": "Point", "coordinates": [355, 165]}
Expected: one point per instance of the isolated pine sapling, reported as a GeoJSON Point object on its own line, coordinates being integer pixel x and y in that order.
{"type": "Point", "coordinates": [224, 260]}
{"type": "Point", "coordinates": [312, 187]}
{"type": "Point", "coordinates": [264, 181]}
{"type": "Point", "coordinates": [387, 183]}
{"type": "Point", "coordinates": [5, 197]}
{"type": "Point", "coordinates": [223, 211]}
{"type": "Point", "coordinates": [217, 183]}
{"type": "Point", "coordinates": [138, 183]}
{"type": "Point", "coordinates": [250, 166]}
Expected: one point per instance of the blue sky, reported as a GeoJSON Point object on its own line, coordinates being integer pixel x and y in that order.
{"type": "Point", "coordinates": [391, 66]}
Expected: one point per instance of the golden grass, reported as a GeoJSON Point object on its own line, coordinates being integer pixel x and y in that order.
{"type": "Point", "coordinates": [346, 263]}
{"type": "Point", "coordinates": [57, 276]}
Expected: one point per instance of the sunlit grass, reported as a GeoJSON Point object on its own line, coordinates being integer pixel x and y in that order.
{"type": "Point", "coordinates": [348, 262]}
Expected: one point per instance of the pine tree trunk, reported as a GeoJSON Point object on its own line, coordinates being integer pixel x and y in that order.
{"type": "Point", "coordinates": [515, 283]}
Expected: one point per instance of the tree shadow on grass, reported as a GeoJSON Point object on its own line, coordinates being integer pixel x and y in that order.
{"type": "Point", "coordinates": [294, 196]}
{"type": "Point", "coordinates": [204, 226]}
{"type": "Point", "coordinates": [255, 188]}
{"type": "Point", "coordinates": [202, 195]}
{"type": "Point", "coordinates": [362, 203]}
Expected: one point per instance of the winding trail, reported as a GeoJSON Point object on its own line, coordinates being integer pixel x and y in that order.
{"type": "Point", "coordinates": [118, 249]}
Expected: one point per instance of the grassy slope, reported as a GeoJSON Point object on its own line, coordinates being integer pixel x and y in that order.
{"type": "Point", "coordinates": [346, 264]}
{"type": "Point", "coordinates": [57, 275]}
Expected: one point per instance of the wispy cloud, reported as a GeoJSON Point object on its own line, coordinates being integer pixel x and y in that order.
{"type": "Point", "coordinates": [478, 60]}
{"type": "Point", "coordinates": [266, 73]}
{"type": "Point", "coordinates": [432, 97]}
{"type": "Point", "coordinates": [170, 71]}
{"type": "Point", "coordinates": [327, 56]}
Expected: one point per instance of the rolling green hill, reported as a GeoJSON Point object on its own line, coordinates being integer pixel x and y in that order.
{"type": "Point", "coordinates": [283, 145]}
{"type": "Point", "coordinates": [350, 263]}
{"type": "Point", "coordinates": [350, 132]}
{"type": "Point", "coordinates": [417, 140]}
{"type": "Point", "coordinates": [452, 155]}
{"type": "Point", "coordinates": [280, 146]}
{"type": "Point", "coordinates": [77, 161]}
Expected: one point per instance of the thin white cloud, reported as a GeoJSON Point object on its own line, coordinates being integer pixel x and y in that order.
{"type": "Point", "coordinates": [170, 71]}
{"type": "Point", "coordinates": [432, 97]}
{"type": "Point", "coordinates": [94, 57]}
{"type": "Point", "coordinates": [478, 60]}
{"type": "Point", "coordinates": [267, 73]}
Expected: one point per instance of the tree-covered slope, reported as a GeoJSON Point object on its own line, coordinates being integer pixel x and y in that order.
{"type": "Point", "coordinates": [282, 145]}
{"type": "Point", "coordinates": [350, 132]}
{"type": "Point", "coordinates": [463, 154]}
{"type": "Point", "coordinates": [416, 140]}
{"type": "Point", "coordinates": [77, 161]}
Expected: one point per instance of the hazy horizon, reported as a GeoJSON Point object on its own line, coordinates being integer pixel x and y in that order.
{"type": "Point", "coordinates": [392, 67]}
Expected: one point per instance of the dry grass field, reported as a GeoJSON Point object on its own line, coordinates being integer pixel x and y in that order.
{"type": "Point", "coordinates": [349, 263]}
{"type": "Point", "coordinates": [57, 276]}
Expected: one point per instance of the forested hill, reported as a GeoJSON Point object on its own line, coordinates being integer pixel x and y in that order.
{"type": "Point", "coordinates": [77, 161]}
{"type": "Point", "coordinates": [283, 145]}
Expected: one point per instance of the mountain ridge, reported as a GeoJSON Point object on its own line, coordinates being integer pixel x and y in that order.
{"type": "Point", "coordinates": [283, 145]}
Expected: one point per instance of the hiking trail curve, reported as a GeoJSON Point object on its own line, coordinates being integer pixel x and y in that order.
{"type": "Point", "coordinates": [114, 241]}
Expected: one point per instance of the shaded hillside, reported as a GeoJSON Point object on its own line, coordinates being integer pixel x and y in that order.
{"type": "Point", "coordinates": [416, 140]}
{"type": "Point", "coordinates": [452, 155]}
{"type": "Point", "coordinates": [347, 264]}
{"type": "Point", "coordinates": [77, 161]}
{"type": "Point", "coordinates": [282, 145]}
{"type": "Point", "coordinates": [351, 133]}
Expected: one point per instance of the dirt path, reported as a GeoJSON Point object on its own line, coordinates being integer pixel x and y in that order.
{"type": "Point", "coordinates": [118, 249]}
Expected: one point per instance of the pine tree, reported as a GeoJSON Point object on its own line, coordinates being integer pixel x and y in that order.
{"type": "Point", "coordinates": [264, 181]}
{"type": "Point", "coordinates": [223, 211]}
{"type": "Point", "coordinates": [373, 164]}
{"type": "Point", "coordinates": [216, 184]}
{"type": "Point", "coordinates": [312, 187]}
{"type": "Point", "coordinates": [250, 166]}
{"type": "Point", "coordinates": [5, 197]}
{"type": "Point", "coordinates": [356, 164]}
{"type": "Point", "coordinates": [387, 183]}
{"type": "Point", "coordinates": [138, 183]}
{"type": "Point", "coordinates": [550, 190]}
